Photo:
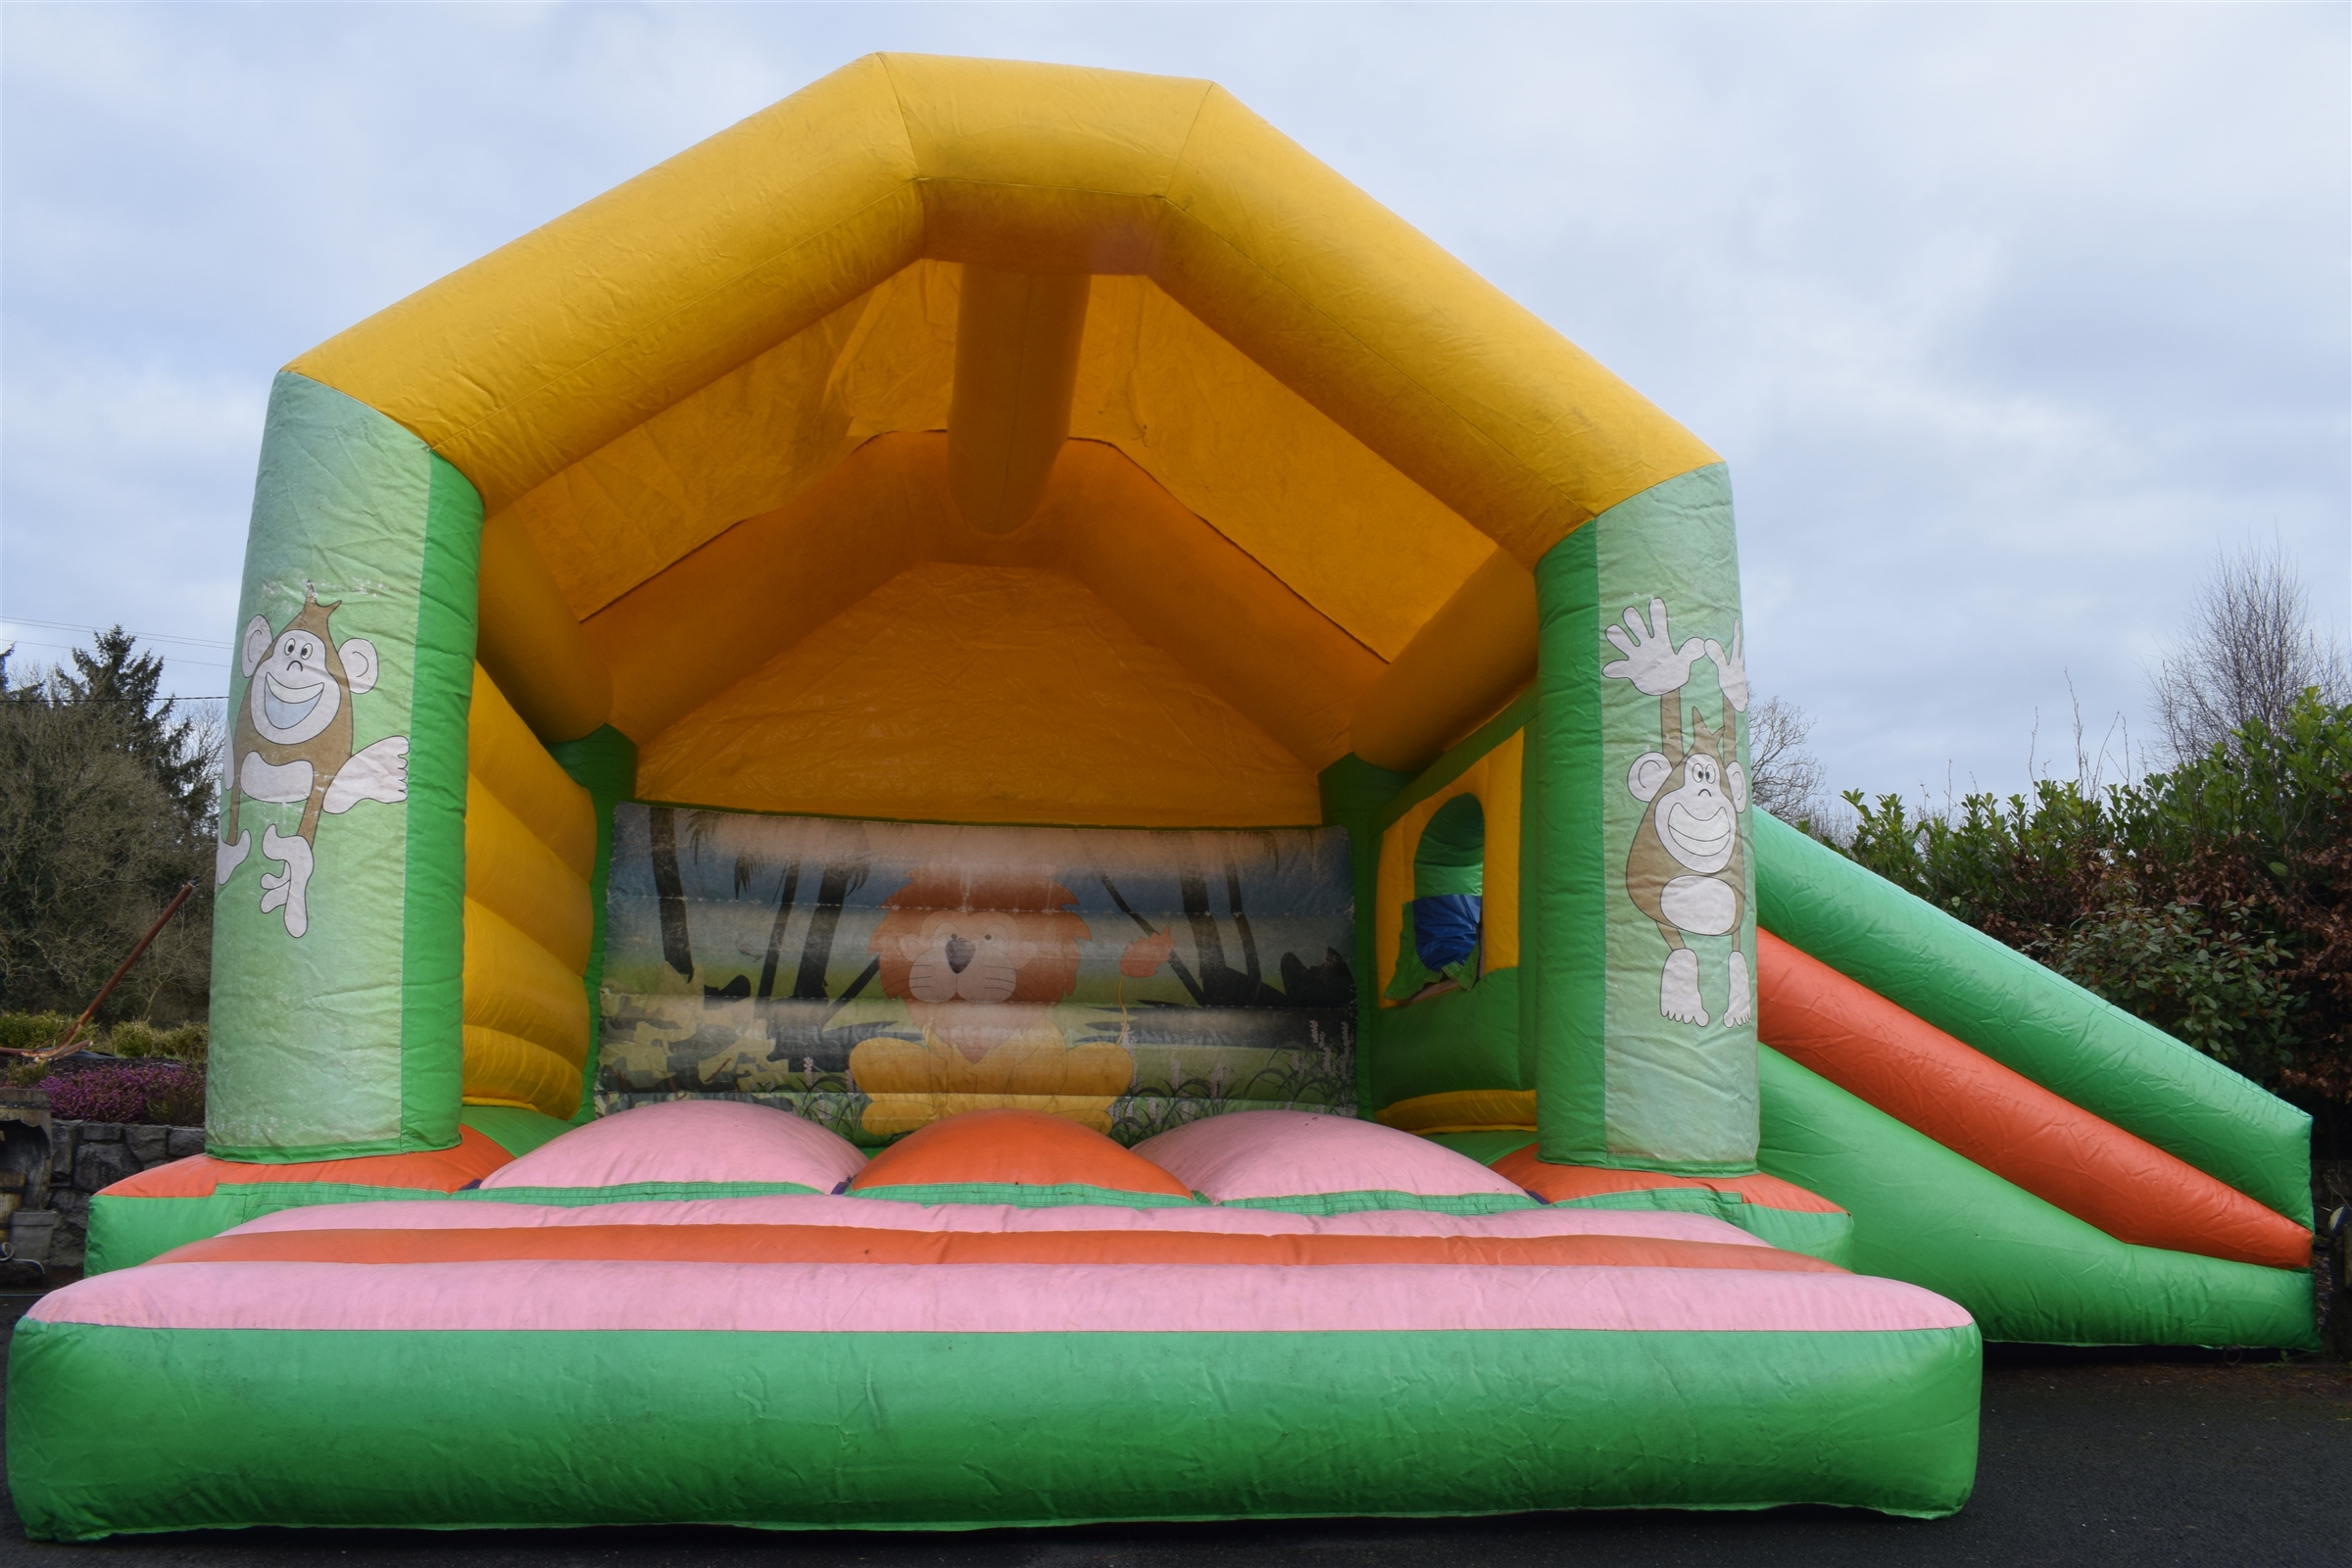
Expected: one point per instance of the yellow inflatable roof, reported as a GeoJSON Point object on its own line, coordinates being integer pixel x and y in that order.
{"type": "Point", "coordinates": [985, 441]}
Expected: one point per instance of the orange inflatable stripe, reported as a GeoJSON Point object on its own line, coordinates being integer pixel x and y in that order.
{"type": "Point", "coordinates": [2006, 1122]}
{"type": "Point", "coordinates": [842, 1243]}
{"type": "Point", "coordinates": [1014, 1146]}
{"type": "Point", "coordinates": [443, 1170]}
{"type": "Point", "coordinates": [1560, 1184]}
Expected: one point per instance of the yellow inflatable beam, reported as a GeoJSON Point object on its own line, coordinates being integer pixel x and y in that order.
{"type": "Point", "coordinates": [1465, 1111]}
{"type": "Point", "coordinates": [504, 1069]}
{"type": "Point", "coordinates": [1016, 363]}
{"type": "Point", "coordinates": [540, 353]}
{"type": "Point", "coordinates": [515, 985]}
{"type": "Point", "coordinates": [1465, 663]}
{"type": "Point", "coordinates": [690, 632]}
{"type": "Point", "coordinates": [1233, 624]}
{"type": "Point", "coordinates": [501, 752]}
{"type": "Point", "coordinates": [530, 643]}
{"type": "Point", "coordinates": [512, 873]}
{"type": "Point", "coordinates": [697, 628]}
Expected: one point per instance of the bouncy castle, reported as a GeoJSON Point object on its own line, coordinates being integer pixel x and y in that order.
{"type": "Point", "coordinates": [984, 806]}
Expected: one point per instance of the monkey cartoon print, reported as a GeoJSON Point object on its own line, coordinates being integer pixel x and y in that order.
{"type": "Point", "coordinates": [293, 745]}
{"type": "Point", "coordinates": [1687, 868]}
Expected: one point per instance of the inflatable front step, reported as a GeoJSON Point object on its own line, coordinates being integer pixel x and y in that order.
{"type": "Point", "coordinates": [1006, 1319]}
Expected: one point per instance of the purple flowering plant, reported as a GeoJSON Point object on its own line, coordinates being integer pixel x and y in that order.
{"type": "Point", "coordinates": [166, 1092]}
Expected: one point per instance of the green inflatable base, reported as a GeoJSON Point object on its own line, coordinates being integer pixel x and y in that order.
{"type": "Point", "coordinates": [126, 1231]}
{"type": "Point", "coordinates": [968, 1431]}
{"type": "Point", "coordinates": [1827, 1237]}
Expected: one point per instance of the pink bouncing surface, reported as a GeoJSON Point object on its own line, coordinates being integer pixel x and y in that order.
{"type": "Point", "coordinates": [1294, 1154]}
{"type": "Point", "coordinates": [687, 1140]}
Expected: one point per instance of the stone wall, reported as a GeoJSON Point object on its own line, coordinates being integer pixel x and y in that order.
{"type": "Point", "coordinates": [85, 1156]}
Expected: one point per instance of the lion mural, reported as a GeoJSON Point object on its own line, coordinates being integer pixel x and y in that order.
{"type": "Point", "coordinates": [980, 958]}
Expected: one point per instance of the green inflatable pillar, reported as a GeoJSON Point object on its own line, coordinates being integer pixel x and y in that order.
{"type": "Point", "coordinates": [338, 946]}
{"type": "Point", "coordinates": [1638, 884]}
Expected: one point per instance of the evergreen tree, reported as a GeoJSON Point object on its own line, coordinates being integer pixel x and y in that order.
{"type": "Point", "coordinates": [167, 745]}
{"type": "Point", "coordinates": [106, 800]}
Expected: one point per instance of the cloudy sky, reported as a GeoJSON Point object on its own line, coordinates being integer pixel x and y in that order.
{"type": "Point", "coordinates": [2006, 317]}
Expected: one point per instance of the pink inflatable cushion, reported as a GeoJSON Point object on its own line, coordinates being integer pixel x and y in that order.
{"type": "Point", "coordinates": [1247, 1154]}
{"type": "Point", "coordinates": [687, 1140]}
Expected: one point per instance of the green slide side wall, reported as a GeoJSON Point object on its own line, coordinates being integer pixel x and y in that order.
{"type": "Point", "coordinates": [605, 765]}
{"type": "Point", "coordinates": [953, 1431]}
{"type": "Point", "coordinates": [2026, 1270]}
{"type": "Point", "coordinates": [2031, 1020]}
{"type": "Point", "coordinates": [339, 1035]}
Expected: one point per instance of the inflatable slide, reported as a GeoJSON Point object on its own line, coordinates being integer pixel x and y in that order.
{"type": "Point", "coordinates": [986, 808]}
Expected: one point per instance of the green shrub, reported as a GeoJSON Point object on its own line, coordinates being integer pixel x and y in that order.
{"type": "Point", "coordinates": [30, 1031]}
{"type": "Point", "coordinates": [2210, 979]}
{"type": "Point", "coordinates": [2214, 900]}
{"type": "Point", "coordinates": [136, 1038]}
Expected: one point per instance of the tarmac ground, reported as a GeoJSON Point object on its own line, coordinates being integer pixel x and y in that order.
{"type": "Point", "coordinates": [2088, 1457]}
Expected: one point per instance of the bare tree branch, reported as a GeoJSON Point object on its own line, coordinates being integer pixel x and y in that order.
{"type": "Point", "coordinates": [1783, 777]}
{"type": "Point", "coordinates": [2249, 652]}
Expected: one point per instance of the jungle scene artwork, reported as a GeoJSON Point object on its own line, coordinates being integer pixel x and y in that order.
{"type": "Point", "coordinates": [875, 976]}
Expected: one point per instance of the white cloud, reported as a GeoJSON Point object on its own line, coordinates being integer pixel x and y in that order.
{"type": "Point", "coordinates": [2005, 316]}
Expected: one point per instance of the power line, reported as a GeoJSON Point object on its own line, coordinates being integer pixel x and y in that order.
{"type": "Point", "coordinates": [60, 702]}
{"type": "Point", "coordinates": [142, 636]}
{"type": "Point", "coordinates": [75, 648]}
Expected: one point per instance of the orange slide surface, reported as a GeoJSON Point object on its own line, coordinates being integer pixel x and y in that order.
{"type": "Point", "coordinates": [2006, 1122]}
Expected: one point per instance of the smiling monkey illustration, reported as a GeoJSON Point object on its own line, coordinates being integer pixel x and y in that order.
{"type": "Point", "coordinates": [1687, 868]}
{"type": "Point", "coordinates": [293, 744]}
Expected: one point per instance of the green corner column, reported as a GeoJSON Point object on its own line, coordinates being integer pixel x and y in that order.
{"type": "Point", "coordinates": [1353, 790]}
{"type": "Point", "coordinates": [1638, 877]}
{"type": "Point", "coordinates": [605, 765]}
{"type": "Point", "coordinates": [338, 940]}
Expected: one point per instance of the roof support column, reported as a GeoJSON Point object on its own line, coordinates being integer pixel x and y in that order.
{"type": "Point", "coordinates": [1017, 364]}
